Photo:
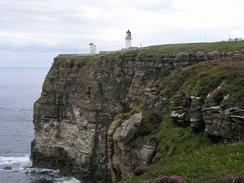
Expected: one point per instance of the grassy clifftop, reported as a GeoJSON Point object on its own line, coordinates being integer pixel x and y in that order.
{"type": "Point", "coordinates": [167, 49]}
{"type": "Point", "coordinates": [193, 47]}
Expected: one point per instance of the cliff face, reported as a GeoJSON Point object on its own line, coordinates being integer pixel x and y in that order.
{"type": "Point", "coordinates": [95, 116]}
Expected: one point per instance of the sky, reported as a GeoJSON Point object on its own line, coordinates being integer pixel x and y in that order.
{"type": "Point", "coordinates": [33, 32]}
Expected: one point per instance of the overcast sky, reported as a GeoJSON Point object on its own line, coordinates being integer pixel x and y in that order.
{"type": "Point", "coordinates": [32, 32]}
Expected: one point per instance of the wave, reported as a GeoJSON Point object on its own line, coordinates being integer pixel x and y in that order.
{"type": "Point", "coordinates": [16, 163]}
{"type": "Point", "coordinates": [23, 165]}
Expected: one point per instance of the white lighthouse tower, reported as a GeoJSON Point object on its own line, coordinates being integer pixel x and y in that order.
{"type": "Point", "coordinates": [93, 49]}
{"type": "Point", "coordinates": [128, 40]}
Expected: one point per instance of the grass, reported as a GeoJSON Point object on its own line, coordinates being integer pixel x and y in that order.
{"type": "Point", "coordinates": [168, 48]}
{"type": "Point", "coordinates": [175, 140]}
{"type": "Point", "coordinates": [88, 58]}
{"type": "Point", "coordinates": [193, 47]}
{"type": "Point", "coordinates": [182, 152]}
{"type": "Point", "coordinates": [212, 162]}
{"type": "Point", "coordinates": [202, 78]}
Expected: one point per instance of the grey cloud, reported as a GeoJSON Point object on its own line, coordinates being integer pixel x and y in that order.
{"type": "Point", "coordinates": [47, 27]}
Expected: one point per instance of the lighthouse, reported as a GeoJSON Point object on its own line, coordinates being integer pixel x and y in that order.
{"type": "Point", "coordinates": [92, 48]}
{"type": "Point", "coordinates": [128, 40]}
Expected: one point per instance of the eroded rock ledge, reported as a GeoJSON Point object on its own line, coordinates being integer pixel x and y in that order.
{"type": "Point", "coordinates": [88, 118]}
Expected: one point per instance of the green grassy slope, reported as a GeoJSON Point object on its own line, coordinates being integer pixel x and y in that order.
{"type": "Point", "coordinates": [183, 152]}
{"type": "Point", "coordinates": [199, 79]}
{"type": "Point", "coordinates": [193, 47]}
{"type": "Point", "coordinates": [210, 163]}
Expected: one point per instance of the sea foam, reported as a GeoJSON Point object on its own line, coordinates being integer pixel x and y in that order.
{"type": "Point", "coordinates": [23, 164]}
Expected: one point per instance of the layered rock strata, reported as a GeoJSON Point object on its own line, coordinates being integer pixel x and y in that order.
{"type": "Point", "coordinates": [88, 118]}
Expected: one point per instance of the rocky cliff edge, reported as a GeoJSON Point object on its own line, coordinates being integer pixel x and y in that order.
{"type": "Point", "coordinates": [102, 118]}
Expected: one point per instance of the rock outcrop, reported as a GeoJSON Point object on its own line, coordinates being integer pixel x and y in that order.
{"type": "Point", "coordinates": [89, 122]}
{"type": "Point", "coordinates": [212, 114]}
{"type": "Point", "coordinates": [124, 155]}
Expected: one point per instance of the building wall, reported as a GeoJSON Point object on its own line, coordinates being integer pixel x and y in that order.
{"type": "Point", "coordinates": [93, 49]}
{"type": "Point", "coordinates": [128, 43]}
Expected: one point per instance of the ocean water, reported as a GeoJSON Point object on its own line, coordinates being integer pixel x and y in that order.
{"type": "Point", "coordinates": [19, 89]}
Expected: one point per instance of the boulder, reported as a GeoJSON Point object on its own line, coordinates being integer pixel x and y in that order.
{"type": "Point", "coordinates": [140, 170]}
{"type": "Point", "coordinates": [213, 55]}
{"type": "Point", "coordinates": [182, 57]}
{"type": "Point", "coordinates": [200, 56]}
{"type": "Point", "coordinates": [130, 127]}
{"type": "Point", "coordinates": [8, 167]}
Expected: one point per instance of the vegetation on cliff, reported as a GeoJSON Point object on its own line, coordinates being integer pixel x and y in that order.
{"type": "Point", "coordinates": [194, 47]}
{"type": "Point", "coordinates": [183, 152]}
{"type": "Point", "coordinates": [175, 108]}
{"type": "Point", "coordinates": [164, 49]}
{"type": "Point", "coordinates": [209, 165]}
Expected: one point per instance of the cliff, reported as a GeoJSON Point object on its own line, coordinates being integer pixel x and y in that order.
{"type": "Point", "coordinates": [100, 118]}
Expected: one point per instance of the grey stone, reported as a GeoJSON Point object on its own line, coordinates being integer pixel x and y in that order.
{"type": "Point", "coordinates": [87, 118]}
{"type": "Point", "coordinates": [8, 168]}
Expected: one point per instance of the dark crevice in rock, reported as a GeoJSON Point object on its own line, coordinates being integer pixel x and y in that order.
{"type": "Point", "coordinates": [94, 119]}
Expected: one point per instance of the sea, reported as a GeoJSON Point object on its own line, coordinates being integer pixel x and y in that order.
{"type": "Point", "coordinates": [19, 89]}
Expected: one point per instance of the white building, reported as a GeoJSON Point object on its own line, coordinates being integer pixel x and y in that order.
{"type": "Point", "coordinates": [93, 49]}
{"type": "Point", "coordinates": [128, 40]}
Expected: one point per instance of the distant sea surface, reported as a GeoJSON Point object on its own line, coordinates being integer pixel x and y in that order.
{"type": "Point", "coordinates": [19, 89]}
